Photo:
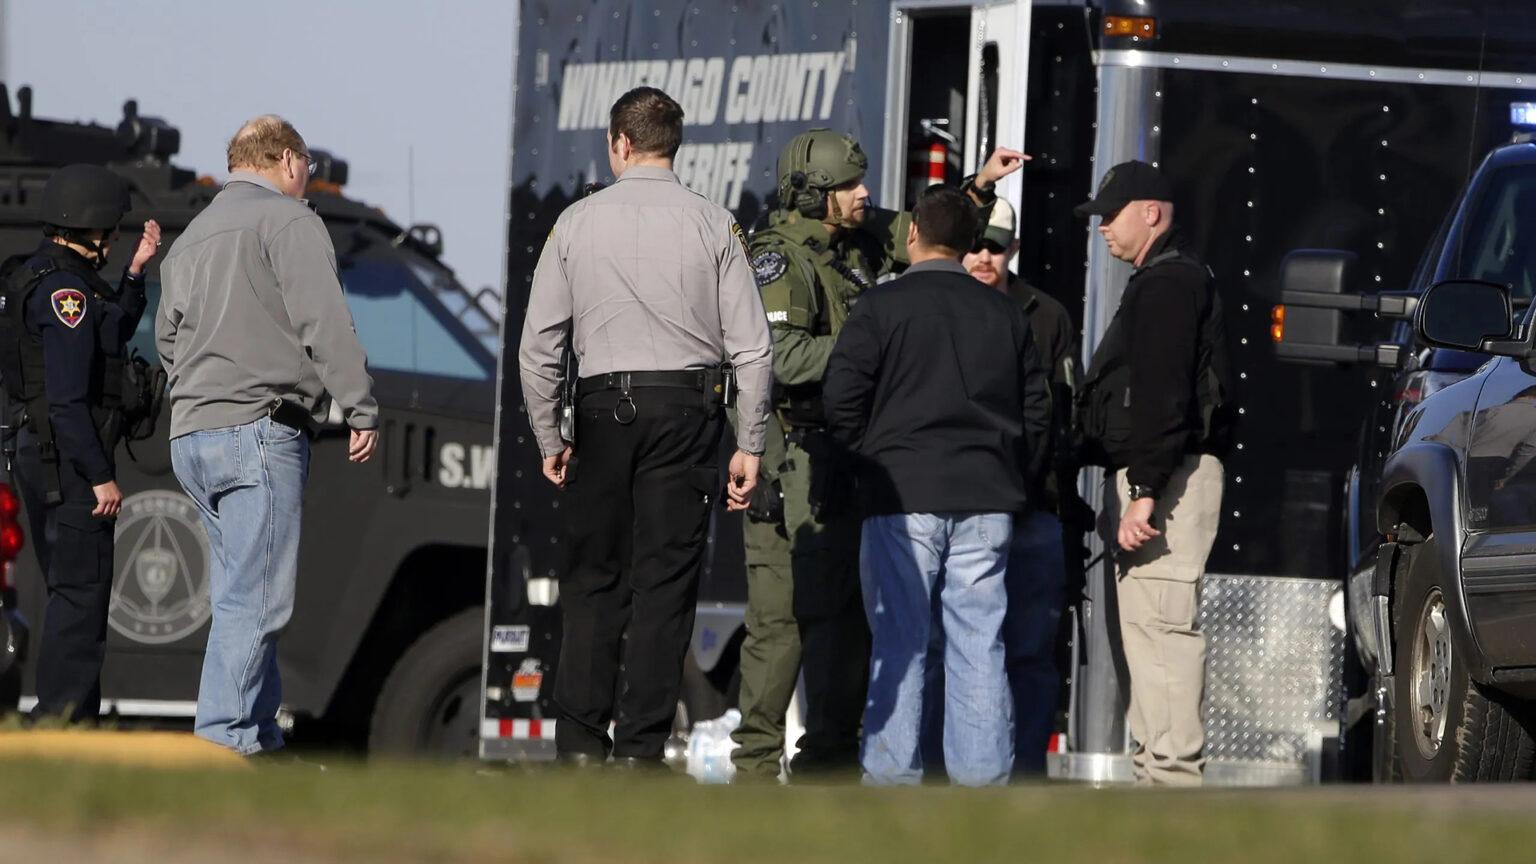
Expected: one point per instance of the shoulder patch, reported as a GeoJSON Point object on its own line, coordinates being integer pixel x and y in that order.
{"type": "Point", "coordinates": [768, 266]}
{"type": "Point", "coordinates": [69, 306]}
{"type": "Point", "coordinates": [741, 237]}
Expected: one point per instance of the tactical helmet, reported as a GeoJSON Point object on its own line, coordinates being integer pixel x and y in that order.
{"type": "Point", "coordinates": [814, 162]}
{"type": "Point", "coordinates": [83, 196]}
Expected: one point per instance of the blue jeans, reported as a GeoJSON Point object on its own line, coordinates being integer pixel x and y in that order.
{"type": "Point", "coordinates": [248, 484]}
{"type": "Point", "coordinates": [1037, 587]}
{"type": "Point", "coordinates": [903, 560]}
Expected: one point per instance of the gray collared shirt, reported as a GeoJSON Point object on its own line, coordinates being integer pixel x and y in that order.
{"type": "Point", "coordinates": [645, 276]}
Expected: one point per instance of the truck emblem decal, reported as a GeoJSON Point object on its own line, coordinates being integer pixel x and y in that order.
{"type": "Point", "coordinates": [509, 638]}
{"type": "Point", "coordinates": [160, 593]}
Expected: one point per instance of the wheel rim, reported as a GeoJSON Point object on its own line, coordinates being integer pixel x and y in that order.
{"type": "Point", "coordinates": [1431, 675]}
{"type": "Point", "coordinates": [451, 728]}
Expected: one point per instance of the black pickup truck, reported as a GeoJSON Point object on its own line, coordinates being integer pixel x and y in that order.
{"type": "Point", "coordinates": [1440, 505]}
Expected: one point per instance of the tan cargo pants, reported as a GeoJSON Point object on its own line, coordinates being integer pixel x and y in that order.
{"type": "Point", "coordinates": [1158, 590]}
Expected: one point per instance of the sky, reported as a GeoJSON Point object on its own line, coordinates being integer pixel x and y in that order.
{"type": "Point", "coordinates": [398, 89]}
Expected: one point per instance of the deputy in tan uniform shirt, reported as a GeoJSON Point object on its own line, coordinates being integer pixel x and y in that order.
{"type": "Point", "coordinates": [651, 285]}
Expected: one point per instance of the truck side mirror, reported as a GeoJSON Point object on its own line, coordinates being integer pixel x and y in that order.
{"type": "Point", "coordinates": [1305, 273]}
{"type": "Point", "coordinates": [1308, 328]}
{"type": "Point", "coordinates": [1468, 315]}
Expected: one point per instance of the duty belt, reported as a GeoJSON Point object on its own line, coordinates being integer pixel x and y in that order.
{"type": "Point", "coordinates": [714, 386]}
{"type": "Point", "coordinates": [688, 379]}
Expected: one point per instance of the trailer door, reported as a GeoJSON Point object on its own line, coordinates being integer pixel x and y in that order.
{"type": "Point", "coordinates": [956, 85]}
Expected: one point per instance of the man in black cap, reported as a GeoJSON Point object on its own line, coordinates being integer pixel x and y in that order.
{"type": "Point", "coordinates": [1156, 411]}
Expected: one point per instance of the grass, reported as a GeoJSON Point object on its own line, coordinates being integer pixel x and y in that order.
{"type": "Point", "coordinates": [410, 812]}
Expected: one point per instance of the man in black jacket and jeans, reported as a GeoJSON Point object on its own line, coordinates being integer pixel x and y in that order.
{"type": "Point", "coordinates": [936, 388]}
{"type": "Point", "coordinates": [1156, 409]}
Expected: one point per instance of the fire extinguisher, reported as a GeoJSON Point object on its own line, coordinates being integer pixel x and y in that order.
{"type": "Point", "coordinates": [930, 158]}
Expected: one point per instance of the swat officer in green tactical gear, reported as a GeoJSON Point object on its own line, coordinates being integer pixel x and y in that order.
{"type": "Point", "coordinates": [824, 247]}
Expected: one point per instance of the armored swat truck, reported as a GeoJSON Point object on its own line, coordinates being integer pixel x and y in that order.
{"type": "Point", "coordinates": [384, 647]}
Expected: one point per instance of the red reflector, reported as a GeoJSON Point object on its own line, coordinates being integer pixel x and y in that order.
{"type": "Point", "coordinates": [10, 505]}
{"type": "Point", "coordinates": [1411, 396]}
{"type": "Point", "coordinates": [11, 541]}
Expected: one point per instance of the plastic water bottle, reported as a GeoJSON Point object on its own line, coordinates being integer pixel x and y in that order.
{"type": "Point", "coordinates": [710, 746]}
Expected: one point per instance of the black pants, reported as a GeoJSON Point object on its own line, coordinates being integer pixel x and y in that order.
{"type": "Point", "coordinates": [74, 551]}
{"type": "Point", "coordinates": [638, 496]}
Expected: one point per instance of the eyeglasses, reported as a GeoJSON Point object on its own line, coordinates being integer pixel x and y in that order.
{"type": "Point", "coordinates": [308, 160]}
{"type": "Point", "coordinates": [990, 246]}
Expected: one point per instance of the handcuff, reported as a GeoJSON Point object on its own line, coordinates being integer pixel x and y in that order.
{"type": "Point", "coordinates": [625, 399]}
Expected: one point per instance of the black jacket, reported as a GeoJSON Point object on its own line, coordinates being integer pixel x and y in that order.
{"type": "Point", "coordinates": [937, 389]}
{"type": "Point", "coordinates": [1056, 342]}
{"type": "Point", "coordinates": [1153, 370]}
{"type": "Point", "coordinates": [81, 326]}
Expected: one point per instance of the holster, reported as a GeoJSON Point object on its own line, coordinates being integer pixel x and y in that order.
{"type": "Point", "coordinates": [767, 502]}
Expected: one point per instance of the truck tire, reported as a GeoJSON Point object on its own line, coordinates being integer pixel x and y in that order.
{"type": "Point", "coordinates": [1444, 727]}
{"type": "Point", "coordinates": [430, 703]}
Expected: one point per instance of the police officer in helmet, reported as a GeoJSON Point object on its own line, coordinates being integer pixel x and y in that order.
{"type": "Point", "coordinates": [64, 333]}
{"type": "Point", "coordinates": [825, 246]}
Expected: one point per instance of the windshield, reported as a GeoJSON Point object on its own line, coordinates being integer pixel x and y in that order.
{"type": "Point", "coordinates": [401, 325]}
{"type": "Point", "coordinates": [1500, 242]}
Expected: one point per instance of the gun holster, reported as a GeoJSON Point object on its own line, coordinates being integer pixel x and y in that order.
{"type": "Point", "coordinates": [767, 502]}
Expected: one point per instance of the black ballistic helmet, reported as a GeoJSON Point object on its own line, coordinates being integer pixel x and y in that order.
{"type": "Point", "coordinates": [83, 196]}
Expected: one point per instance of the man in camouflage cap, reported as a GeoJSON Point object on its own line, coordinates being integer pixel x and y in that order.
{"type": "Point", "coordinates": [825, 246]}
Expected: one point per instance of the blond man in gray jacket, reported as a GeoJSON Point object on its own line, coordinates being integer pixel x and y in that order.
{"type": "Point", "coordinates": [257, 339]}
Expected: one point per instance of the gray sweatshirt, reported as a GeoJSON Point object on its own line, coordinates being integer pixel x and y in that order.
{"type": "Point", "coordinates": [251, 311]}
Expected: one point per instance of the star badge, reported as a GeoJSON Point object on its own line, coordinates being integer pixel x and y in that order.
{"type": "Point", "coordinates": [69, 306]}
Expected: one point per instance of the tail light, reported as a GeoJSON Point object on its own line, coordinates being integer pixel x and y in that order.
{"type": "Point", "coordinates": [11, 537]}
{"type": "Point", "coordinates": [11, 541]}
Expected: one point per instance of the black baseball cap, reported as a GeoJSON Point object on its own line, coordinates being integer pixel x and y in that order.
{"type": "Point", "coordinates": [1124, 183]}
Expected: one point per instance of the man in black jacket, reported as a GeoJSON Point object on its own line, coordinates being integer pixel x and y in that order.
{"type": "Point", "coordinates": [1156, 408]}
{"type": "Point", "coordinates": [936, 388]}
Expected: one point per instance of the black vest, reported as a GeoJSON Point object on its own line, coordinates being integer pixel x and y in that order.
{"type": "Point", "coordinates": [21, 351]}
{"type": "Point", "coordinates": [1104, 404]}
